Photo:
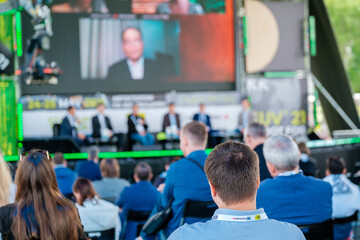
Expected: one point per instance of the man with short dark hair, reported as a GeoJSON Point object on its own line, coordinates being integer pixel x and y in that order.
{"type": "Point", "coordinates": [186, 178]}
{"type": "Point", "coordinates": [135, 72]}
{"type": "Point", "coordinates": [64, 175]}
{"type": "Point", "coordinates": [203, 117]}
{"type": "Point", "coordinates": [232, 169]}
{"type": "Point", "coordinates": [90, 168]}
{"type": "Point", "coordinates": [141, 196]}
{"type": "Point", "coordinates": [69, 124]}
{"type": "Point", "coordinates": [346, 195]}
{"type": "Point", "coordinates": [254, 137]}
{"type": "Point", "coordinates": [171, 122]}
{"type": "Point", "coordinates": [290, 196]}
{"type": "Point", "coordinates": [101, 124]}
{"type": "Point", "coordinates": [247, 116]}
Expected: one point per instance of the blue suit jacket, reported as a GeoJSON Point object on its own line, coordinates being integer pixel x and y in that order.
{"type": "Point", "coordinates": [66, 128]}
{"type": "Point", "coordinates": [185, 180]}
{"type": "Point", "coordinates": [296, 199]}
{"type": "Point", "coordinates": [88, 169]}
{"type": "Point", "coordinates": [65, 178]}
{"type": "Point", "coordinates": [141, 196]}
{"type": "Point", "coordinates": [207, 123]}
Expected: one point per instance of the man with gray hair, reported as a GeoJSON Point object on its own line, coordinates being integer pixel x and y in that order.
{"type": "Point", "coordinates": [254, 137]}
{"type": "Point", "coordinates": [291, 196]}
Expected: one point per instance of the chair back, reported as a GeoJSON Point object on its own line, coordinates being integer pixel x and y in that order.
{"type": "Point", "coordinates": [352, 218]}
{"type": "Point", "coordinates": [139, 217]}
{"type": "Point", "coordinates": [318, 231]}
{"type": "Point", "coordinates": [56, 130]}
{"type": "Point", "coordinates": [102, 235]}
{"type": "Point", "coordinates": [198, 209]}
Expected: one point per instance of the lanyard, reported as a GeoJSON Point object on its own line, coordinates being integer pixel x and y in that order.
{"type": "Point", "coordinates": [290, 173]}
{"type": "Point", "coordinates": [234, 218]}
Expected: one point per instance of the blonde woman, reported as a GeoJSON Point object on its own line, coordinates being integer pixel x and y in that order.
{"type": "Point", "coordinates": [7, 187]}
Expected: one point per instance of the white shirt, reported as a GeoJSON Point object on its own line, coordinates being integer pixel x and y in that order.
{"type": "Point", "coordinates": [99, 215]}
{"type": "Point", "coordinates": [346, 195]}
{"type": "Point", "coordinates": [136, 69]}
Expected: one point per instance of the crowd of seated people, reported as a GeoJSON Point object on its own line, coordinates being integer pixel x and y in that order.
{"type": "Point", "coordinates": [259, 188]}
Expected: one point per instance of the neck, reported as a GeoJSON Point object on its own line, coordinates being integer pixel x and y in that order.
{"type": "Point", "coordinates": [282, 171]}
{"type": "Point", "coordinates": [192, 149]}
{"type": "Point", "coordinates": [256, 142]}
{"type": "Point", "coordinates": [242, 206]}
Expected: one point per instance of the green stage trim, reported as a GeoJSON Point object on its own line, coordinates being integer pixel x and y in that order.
{"type": "Point", "coordinates": [174, 153]}
{"type": "Point", "coordinates": [280, 74]}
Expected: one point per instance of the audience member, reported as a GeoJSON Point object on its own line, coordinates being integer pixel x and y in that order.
{"type": "Point", "coordinates": [232, 169]}
{"type": "Point", "coordinates": [7, 187]}
{"type": "Point", "coordinates": [111, 185]}
{"type": "Point", "coordinates": [203, 117]}
{"type": "Point", "coordinates": [141, 196]}
{"type": "Point", "coordinates": [306, 163]}
{"type": "Point", "coordinates": [185, 178]}
{"type": "Point", "coordinates": [138, 128]}
{"type": "Point", "coordinates": [69, 124]}
{"type": "Point", "coordinates": [179, 7]}
{"type": "Point", "coordinates": [346, 195]}
{"type": "Point", "coordinates": [40, 211]}
{"type": "Point", "coordinates": [160, 179]}
{"type": "Point", "coordinates": [90, 168]}
{"type": "Point", "coordinates": [65, 176]}
{"type": "Point", "coordinates": [95, 213]}
{"type": "Point", "coordinates": [247, 116]}
{"type": "Point", "coordinates": [290, 196]}
{"type": "Point", "coordinates": [171, 123]}
{"type": "Point", "coordinates": [254, 137]}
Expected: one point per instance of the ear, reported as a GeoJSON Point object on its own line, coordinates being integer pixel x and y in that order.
{"type": "Point", "coordinates": [258, 182]}
{"type": "Point", "coordinates": [272, 169]}
{"type": "Point", "coordinates": [344, 171]}
{"type": "Point", "coordinates": [213, 191]}
{"type": "Point", "coordinates": [150, 176]}
{"type": "Point", "coordinates": [136, 178]}
{"type": "Point", "coordinates": [327, 172]}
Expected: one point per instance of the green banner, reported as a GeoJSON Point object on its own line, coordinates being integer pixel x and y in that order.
{"type": "Point", "coordinates": [8, 139]}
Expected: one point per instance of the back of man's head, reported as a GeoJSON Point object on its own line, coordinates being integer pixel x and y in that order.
{"type": "Point", "coordinates": [93, 153]}
{"type": "Point", "coordinates": [232, 168]}
{"type": "Point", "coordinates": [143, 171]}
{"type": "Point", "coordinates": [335, 165]}
{"type": "Point", "coordinates": [282, 152]}
{"type": "Point", "coordinates": [255, 130]}
{"type": "Point", "coordinates": [58, 158]}
{"type": "Point", "coordinates": [196, 133]}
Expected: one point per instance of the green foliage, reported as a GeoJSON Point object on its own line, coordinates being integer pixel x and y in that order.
{"type": "Point", "coordinates": [345, 20]}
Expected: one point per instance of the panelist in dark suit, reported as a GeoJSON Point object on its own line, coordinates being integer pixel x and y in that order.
{"type": "Point", "coordinates": [171, 122]}
{"type": "Point", "coordinates": [203, 117]}
{"type": "Point", "coordinates": [135, 72]}
{"type": "Point", "coordinates": [101, 123]}
{"type": "Point", "coordinates": [68, 127]}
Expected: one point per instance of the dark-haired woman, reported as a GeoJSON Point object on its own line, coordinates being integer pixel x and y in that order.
{"type": "Point", "coordinates": [95, 214]}
{"type": "Point", "coordinates": [40, 211]}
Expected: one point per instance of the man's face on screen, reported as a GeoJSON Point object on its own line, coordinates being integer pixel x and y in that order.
{"type": "Point", "coordinates": [133, 45]}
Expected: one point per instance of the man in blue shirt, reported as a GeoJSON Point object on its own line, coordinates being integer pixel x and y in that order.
{"type": "Point", "coordinates": [141, 196]}
{"type": "Point", "coordinates": [290, 196]}
{"type": "Point", "coordinates": [185, 179]}
{"type": "Point", "coordinates": [64, 176]}
{"type": "Point", "coordinates": [90, 168]}
{"type": "Point", "coordinates": [232, 169]}
{"type": "Point", "coordinates": [203, 117]}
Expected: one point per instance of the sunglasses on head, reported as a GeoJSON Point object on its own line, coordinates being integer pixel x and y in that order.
{"type": "Point", "coordinates": [34, 155]}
